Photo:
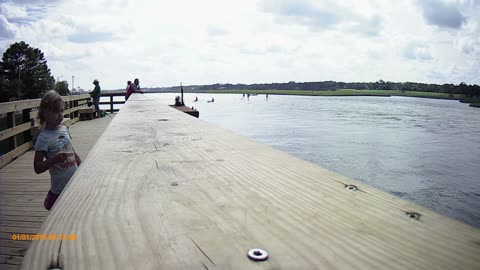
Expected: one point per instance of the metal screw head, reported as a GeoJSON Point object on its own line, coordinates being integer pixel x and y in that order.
{"type": "Point", "coordinates": [351, 187]}
{"type": "Point", "coordinates": [257, 254]}
{"type": "Point", "coordinates": [413, 215]}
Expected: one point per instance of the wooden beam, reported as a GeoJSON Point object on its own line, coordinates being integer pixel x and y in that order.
{"type": "Point", "coordinates": [76, 97]}
{"type": "Point", "coordinates": [74, 109]}
{"type": "Point", "coordinates": [114, 102]}
{"type": "Point", "coordinates": [5, 159]}
{"type": "Point", "coordinates": [14, 131]}
{"type": "Point", "coordinates": [113, 93]}
{"type": "Point", "coordinates": [13, 106]}
{"type": "Point", "coordinates": [70, 122]}
{"type": "Point", "coordinates": [164, 190]}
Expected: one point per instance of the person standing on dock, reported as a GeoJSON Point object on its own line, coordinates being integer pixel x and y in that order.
{"type": "Point", "coordinates": [53, 149]}
{"type": "Point", "coordinates": [128, 85]}
{"type": "Point", "coordinates": [134, 88]}
{"type": "Point", "coordinates": [96, 93]}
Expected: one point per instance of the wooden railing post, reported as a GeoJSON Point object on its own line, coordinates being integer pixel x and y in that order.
{"type": "Point", "coordinates": [111, 104]}
{"type": "Point", "coordinates": [12, 142]}
{"type": "Point", "coordinates": [70, 105]}
{"type": "Point", "coordinates": [75, 104]}
{"type": "Point", "coordinates": [27, 135]}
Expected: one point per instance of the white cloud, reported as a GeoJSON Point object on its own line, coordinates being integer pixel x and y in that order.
{"type": "Point", "coordinates": [417, 51]}
{"type": "Point", "coordinates": [251, 41]}
{"type": "Point", "coordinates": [10, 10]}
{"type": "Point", "coordinates": [7, 30]}
{"type": "Point", "coordinates": [214, 30]}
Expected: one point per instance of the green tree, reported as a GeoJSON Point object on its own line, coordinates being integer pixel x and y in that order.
{"type": "Point", "coordinates": [24, 73]}
{"type": "Point", "coordinates": [62, 88]}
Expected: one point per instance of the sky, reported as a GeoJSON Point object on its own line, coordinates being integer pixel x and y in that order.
{"type": "Point", "coordinates": [164, 42]}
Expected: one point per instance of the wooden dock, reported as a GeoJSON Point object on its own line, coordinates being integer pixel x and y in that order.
{"type": "Point", "coordinates": [164, 190]}
{"type": "Point", "coordinates": [22, 193]}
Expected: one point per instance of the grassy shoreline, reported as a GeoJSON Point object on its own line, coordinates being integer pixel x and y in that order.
{"type": "Point", "coordinates": [474, 102]}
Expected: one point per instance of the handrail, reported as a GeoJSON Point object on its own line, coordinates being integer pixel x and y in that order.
{"type": "Point", "coordinates": [112, 94]}
{"type": "Point", "coordinates": [15, 130]}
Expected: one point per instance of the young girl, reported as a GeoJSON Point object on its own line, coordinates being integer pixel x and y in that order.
{"type": "Point", "coordinates": [53, 149]}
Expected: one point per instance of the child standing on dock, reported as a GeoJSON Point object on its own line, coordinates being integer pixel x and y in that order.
{"type": "Point", "coordinates": [53, 148]}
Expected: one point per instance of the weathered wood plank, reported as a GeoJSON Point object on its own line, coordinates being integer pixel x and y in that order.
{"type": "Point", "coordinates": [14, 251]}
{"type": "Point", "coordinates": [5, 236]}
{"type": "Point", "coordinates": [22, 204]}
{"type": "Point", "coordinates": [22, 223]}
{"type": "Point", "coordinates": [163, 190]}
{"type": "Point", "coordinates": [13, 106]}
{"type": "Point", "coordinates": [36, 208]}
{"type": "Point", "coordinates": [76, 97]}
{"type": "Point", "coordinates": [22, 230]}
{"type": "Point", "coordinates": [70, 122]}
{"type": "Point", "coordinates": [23, 218]}
{"type": "Point", "coordinates": [5, 159]}
{"type": "Point", "coordinates": [10, 261]}
{"type": "Point", "coordinates": [12, 187]}
{"type": "Point", "coordinates": [9, 266]}
{"type": "Point", "coordinates": [14, 243]}
{"type": "Point", "coordinates": [14, 131]}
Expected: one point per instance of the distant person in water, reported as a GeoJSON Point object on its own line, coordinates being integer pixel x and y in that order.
{"type": "Point", "coordinates": [134, 88]}
{"type": "Point", "coordinates": [266, 96]}
{"type": "Point", "coordinates": [213, 99]}
{"type": "Point", "coordinates": [196, 99]}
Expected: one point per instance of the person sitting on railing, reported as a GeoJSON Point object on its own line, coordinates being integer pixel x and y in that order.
{"type": "Point", "coordinates": [53, 148]}
{"type": "Point", "coordinates": [134, 88]}
{"type": "Point", "coordinates": [96, 93]}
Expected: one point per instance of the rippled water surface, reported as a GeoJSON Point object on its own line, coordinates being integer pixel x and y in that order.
{"type": "Point", "coordinates": [423, 150]}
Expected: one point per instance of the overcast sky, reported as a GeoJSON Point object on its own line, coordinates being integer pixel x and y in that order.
{"type": "Point", "coordinates": [249, 41]}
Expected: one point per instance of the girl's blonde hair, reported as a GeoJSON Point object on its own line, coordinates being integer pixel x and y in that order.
{"type": "Point", "coordinates": [50, 101]}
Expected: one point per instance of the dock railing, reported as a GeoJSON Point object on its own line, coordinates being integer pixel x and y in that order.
{"type": "Point", "coordinates": [111, 102]}
{"type": "Point", "coordinates": [19, 120]}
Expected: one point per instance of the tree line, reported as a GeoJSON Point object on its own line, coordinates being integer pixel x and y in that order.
{"type": "Point", "coordinates": [462, 88]}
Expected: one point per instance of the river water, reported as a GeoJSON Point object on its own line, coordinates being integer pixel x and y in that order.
{"type": "Point", "coordinates": [423, 150]}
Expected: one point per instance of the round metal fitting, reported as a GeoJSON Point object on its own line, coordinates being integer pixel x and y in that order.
{"type": "Point", "coordinates": [351, 187]}
{"type": "Point", "coordinates": [257, 254]}
{"type": "Point", "coordinates": [413, 215]}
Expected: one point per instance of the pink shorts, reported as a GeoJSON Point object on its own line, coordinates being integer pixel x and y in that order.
{"type": "Point", "coordinates": [50, 200]}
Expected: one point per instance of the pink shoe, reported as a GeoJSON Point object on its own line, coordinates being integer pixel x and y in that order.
{"type": "Point", "coordinates": [50, 200]}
